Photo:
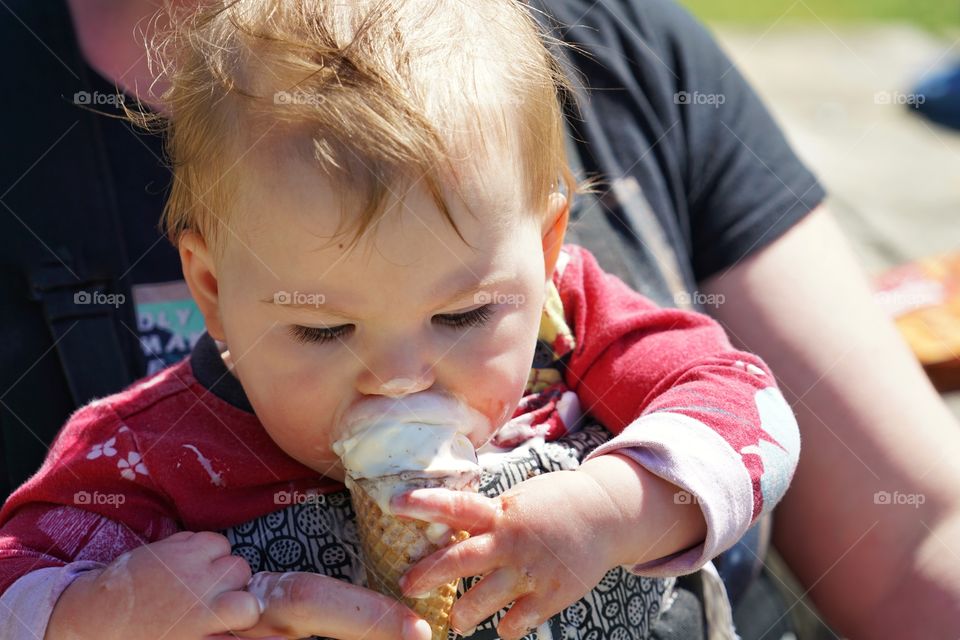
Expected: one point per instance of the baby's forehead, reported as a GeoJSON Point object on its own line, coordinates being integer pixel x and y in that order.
{"type": "Point", "coordinates": [479, 179]}
{"type": "Point", "coordinates": [297, 222]}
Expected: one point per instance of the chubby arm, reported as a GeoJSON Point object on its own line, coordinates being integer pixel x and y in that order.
{"type": "Point", "coordinates": [870, 421]}
{"type": "Point", "coordinates": [685, 405]}
{"type": "Point", "coordinates": [548, 540]}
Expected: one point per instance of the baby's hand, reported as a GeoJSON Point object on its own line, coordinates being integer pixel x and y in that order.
{"type": "Point", "coordinates": [543, 544]}
{"type": "Point", "coordinates": [185, 586]}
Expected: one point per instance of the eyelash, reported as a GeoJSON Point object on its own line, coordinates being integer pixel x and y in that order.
{"type": "Point", "coordinates": [473, 318]}
{"type": "Point", "coordinates": [320, 335]}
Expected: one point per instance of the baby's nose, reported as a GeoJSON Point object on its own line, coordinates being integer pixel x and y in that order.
{"type": "Point", "coordinates": [397, 377]}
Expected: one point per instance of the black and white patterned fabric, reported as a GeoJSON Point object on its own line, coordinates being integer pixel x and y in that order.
{"type": "Point", "coordinates": [319, 535]}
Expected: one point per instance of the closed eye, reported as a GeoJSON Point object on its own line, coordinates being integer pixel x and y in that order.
{"type": "Point", "coordinates": [472, 318]}
{"type": "Point", "coordinates": [319, 335]}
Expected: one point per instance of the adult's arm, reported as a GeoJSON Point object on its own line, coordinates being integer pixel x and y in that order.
{"type": "Point", "coordinates": [870, 422]}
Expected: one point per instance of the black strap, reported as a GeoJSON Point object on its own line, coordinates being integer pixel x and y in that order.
{"type": "Point", "coordinates": [78, 271]}
{"type": "Point", "coordinates": [81, 317]}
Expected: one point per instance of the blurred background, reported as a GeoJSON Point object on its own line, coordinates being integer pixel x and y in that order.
{"type": "Point", "coordinates": [850, 82]}
{"type": "Point", "coordinates": [931, 15]}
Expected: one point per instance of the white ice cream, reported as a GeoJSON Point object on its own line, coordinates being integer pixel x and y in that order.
{"type": "Point", "coordinates": [390, 448]}
{"type": "Point", "coordinates": [416, 436]}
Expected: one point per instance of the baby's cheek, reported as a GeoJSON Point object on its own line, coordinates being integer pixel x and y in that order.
{"type": "Point", "coordinates": [496, 397]}
{"type": "Point", "coordinates": [297, 420]}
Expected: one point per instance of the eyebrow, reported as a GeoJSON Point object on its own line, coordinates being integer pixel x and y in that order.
{"type": "Point", "coordinates": [494, 280]}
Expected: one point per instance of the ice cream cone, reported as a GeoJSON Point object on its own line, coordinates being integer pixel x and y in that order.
{"type": "Point", "coordinates": [391, 545]}
{"type": "Point", "coordinates": [388, 445]}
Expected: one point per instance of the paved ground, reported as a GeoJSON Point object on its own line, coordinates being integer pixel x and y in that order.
{"type": "Point", "coordinates": [894, 179]}
{"type": "Point", "coordinates": [840, 94]}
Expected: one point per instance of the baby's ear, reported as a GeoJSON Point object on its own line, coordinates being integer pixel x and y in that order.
{"type": "Point", "coordinates": [200, 273]}
{"type": "Point", "coordinates": [553, 230]}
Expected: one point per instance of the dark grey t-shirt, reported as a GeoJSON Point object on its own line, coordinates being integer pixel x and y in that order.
{"type": "Point", "coordinates": [697, 174]}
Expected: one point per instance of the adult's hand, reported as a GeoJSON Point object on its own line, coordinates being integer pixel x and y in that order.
{"type": "Point", "coordinates": [299, 605]}
{"type": "Point", "coordinates": [870, 422]}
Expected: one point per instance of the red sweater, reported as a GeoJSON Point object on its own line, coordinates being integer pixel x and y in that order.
{"type": "Point", "coordinates": [168, 453]}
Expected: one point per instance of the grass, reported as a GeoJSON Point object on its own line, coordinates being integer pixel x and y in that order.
{"type": "Point", "coordinates": [931, 14]}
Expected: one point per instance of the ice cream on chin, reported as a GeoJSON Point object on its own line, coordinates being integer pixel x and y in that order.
{"type": "Point", "coordinates": [389, 446]}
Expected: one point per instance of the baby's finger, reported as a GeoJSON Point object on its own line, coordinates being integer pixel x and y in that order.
{"type": "Point", "coordinates": [485, 598]}
{"type": "Point", "coordinates": [472, 557]}
{"type": "Point", "coordinates": [178, 536]}
{"type": "Point", "coordinates": [233, 572]}
{"type": "Point", "coordinates": [463, 510]}
{"type": "Point", "coordinates": [526, 614]}
{"type": "Point", "coordinates": [233, 610]}
{"type": "Point", "coordinates": [208, 545]}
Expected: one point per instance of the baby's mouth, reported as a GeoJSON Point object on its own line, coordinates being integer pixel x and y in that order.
{"type": "Point", "coordinates": [425, 432]}
{"type": "Point", "coordinates": [425, 407]}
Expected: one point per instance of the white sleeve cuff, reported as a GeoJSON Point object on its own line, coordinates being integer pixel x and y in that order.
{"type": "Point", "coordinates": [691, 455]}
{"type": "Point", "coordinates": [27, 604]}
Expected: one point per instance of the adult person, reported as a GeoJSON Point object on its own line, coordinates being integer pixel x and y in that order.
{"type": "Point", "coordinates": [705, 200]}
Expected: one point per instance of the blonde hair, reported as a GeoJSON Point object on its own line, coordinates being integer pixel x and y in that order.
{"type": "Point", "coordinates": [381, 92]}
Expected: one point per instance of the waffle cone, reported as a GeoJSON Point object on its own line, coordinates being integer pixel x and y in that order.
{"type": "Point", "coordinates": [391, 545]}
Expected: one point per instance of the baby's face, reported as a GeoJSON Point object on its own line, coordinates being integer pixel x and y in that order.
{"type": "Point", "coordinates": [315, 328]}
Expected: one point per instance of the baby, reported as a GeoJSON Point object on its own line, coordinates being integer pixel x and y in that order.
{"type": "Point", "coordinates": [370, 201]}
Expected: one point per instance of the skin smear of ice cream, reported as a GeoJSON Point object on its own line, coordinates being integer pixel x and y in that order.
{"type": "Point", "coordinates": [438, 533]}
{"type": "Point", "coordinates": [398, 387]}
{"type": "Point", "coordinates": [260, 586]}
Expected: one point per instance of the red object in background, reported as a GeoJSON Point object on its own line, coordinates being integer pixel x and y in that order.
{"type": "Point", "coordinates": [923, 298]}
